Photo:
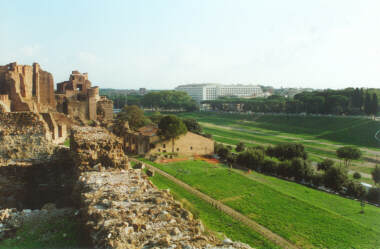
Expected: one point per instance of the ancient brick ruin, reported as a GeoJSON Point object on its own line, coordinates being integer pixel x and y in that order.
{"type": "Point", "coordinates": [25, 88]}
{"type": "Point", "coordinates": [78, 99]}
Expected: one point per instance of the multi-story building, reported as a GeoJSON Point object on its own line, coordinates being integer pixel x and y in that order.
{"type": "Point", "coordinates": [201, 92]}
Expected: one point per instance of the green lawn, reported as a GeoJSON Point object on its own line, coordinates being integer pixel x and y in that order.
{"type": "Point", "coordinates": [353, 131]}
{"type": "Point", "coordinates": [315, 133]}
{"type": "Point", "coordinates": [213, 219]}
{"type": "Point", "coordinates": [307, 217]}
{"type": "Point", "coordinates": [57, 232]}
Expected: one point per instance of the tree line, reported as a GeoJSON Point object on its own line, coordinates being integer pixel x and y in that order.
{"type": "Point", "coordinates": [157, 100]}
{"type": "Point", "coordinates": [349, 101]}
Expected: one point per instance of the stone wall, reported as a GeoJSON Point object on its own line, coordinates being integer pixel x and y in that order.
{"type": "Point", "coordinates": [105, 109]}
{"type": "Point", "coordinates": [186, 145]}
{"type": "Point", "coordinates": [95, 146]}
{"type": "Point", "coordinates": [24, 136]}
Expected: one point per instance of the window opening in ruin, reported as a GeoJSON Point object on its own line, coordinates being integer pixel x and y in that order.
{"type": "Point", "coordinates": [59, 131]}
{"type": "Point", "coordinates": [191, 147]}
{"type": "Point", "coordinates": [79, 87]}
{"type": "Point", "coordinates": [164, 146]}
{"type": "Point", "coordinates": [177, 149]}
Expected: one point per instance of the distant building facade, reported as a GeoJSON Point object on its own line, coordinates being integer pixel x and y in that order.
{"type": "Point", "coordinates": [202, 92]}
{"type": "Point", "coordinates": [146, 141]}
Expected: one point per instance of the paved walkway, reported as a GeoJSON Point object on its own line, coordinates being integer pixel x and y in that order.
{"type": "Point", "coordinates": [226, 209]}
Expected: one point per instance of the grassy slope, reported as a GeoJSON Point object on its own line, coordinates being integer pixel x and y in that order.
{"type": "Point", "coordinates": [212, 218]}
{"type": "Point", "coordinates": [352, 131]}
{"type": "Point", "coordinates": [305, 216]}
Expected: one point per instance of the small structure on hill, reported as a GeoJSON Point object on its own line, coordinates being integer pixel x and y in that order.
{"type": "Point", "coordinates": [146, 141]}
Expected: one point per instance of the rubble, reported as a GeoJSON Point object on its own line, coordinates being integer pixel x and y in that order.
{"type": "Point", "coordinates": [123, 209]}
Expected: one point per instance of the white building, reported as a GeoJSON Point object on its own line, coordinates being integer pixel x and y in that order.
{"type": "Point", "coordinates": [201, 92]}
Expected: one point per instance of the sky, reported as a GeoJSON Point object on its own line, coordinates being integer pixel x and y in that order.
{"type": "Point", "coordinates": [159, 44]}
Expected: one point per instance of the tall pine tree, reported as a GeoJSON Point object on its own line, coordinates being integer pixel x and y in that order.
{"type": "Point", "coordinates": [374, 104]}
{"type": "Point", "coordinates": [368, 104]}
{"type": "Point", "coordinates": [361, 98]}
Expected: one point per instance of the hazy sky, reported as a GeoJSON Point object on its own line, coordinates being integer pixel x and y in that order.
{"type": "Point", "coordinates": [162, 43]}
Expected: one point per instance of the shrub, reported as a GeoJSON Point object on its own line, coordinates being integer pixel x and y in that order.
{"type": "Point", "coordinates": [217, 147]}
{"type": "Point", "coordinates": [325, 164]}
{"type": "Point", "coordinates": [284, 169]}
{"type": "Point", "coordinates": [251, 159]}
{"type": "Point", "coordinates": [287, 151]}
{"type": "Point", "coordinates": [335, 177]}
{"type": "Point", "coordinates": [357, 175]}
{"type": "Point", "coordinates": [374, 195]}
{"type": "Point", "coordinates": [192, 125]}
{"type": "Point", "coordinates": [317, 179]}
{"type": "Point", "coordinates": [223, 153]}
{"type": "Point", "coordinates": [376, 175]}
{"type": "Point", "coordinates": [240, 147]}
{"type": "Point", "coordinates": [269, 166]}
{"type": "Point", "coordinates": [207, 135]}
{"type": "Point", "coordinates": [301, 170]}
{"type": "Point", "coordinates": [355, 189]}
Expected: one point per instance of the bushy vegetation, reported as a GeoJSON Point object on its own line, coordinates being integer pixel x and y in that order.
{"type": "Point", "coordinates": [289, 161]}
{"type": "Point", "coordinates": [134, 115]}
{"type": "Point", "coordinates": [169, 100]}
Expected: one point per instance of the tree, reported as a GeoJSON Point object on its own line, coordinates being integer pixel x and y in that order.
{"type": "Point", "coordinates": [156, 117]}
{"type": "Point", "coordinates": [134, 115]}
{"type": "Point", "coordinates": [376, 174]}
{"type": "Point", "coordinates": [192, 125]}
{"type": "Point", "coordinates": [287, 151]}
{"type": "Point", "coordinates": [374, 104]}
{"type": "Point", "coordinates": [335, 177]}
{"type": "Point", "coordinates": [325, 164]}
{"type": "Point", "coordinates": [251, 158]}
{"type": "Point", "coordinates": [223, 153]}
{"type": "Point", "coordinates": [374, 195]}
{"type": "Point", "coordinates": [240, 147]}
{"type": "Point", "coordinates": [357, 175]}
{"type": "Point", "coordinates": [171, 127]}
{"type": "Point", "coordinates": [301, 170]}
{"type": "Point", "coordinates": [348, 153]}
{"type": "Point", "coordinates": [367, 104]}
{"type": "Point", "coordinates": [355, 189]}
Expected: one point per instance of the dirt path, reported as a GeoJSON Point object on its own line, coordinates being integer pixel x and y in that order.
{"type": "Point", "coordinates": [226, 209]}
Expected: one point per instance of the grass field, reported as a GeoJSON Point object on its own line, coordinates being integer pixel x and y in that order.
{"type": "Point", "coordinates": [57, 232]}
{"type": "Point", "coordinates": [321, 136]}
{"type": "Point", "coordinates": [213, 219]}
{"type": "Point", "coordinates": [353, 131]}
{"type": "Point", "coordinates": [307, 217]}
